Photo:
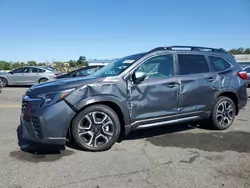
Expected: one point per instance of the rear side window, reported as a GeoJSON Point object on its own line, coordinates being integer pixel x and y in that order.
{"type": "Point", "coordinates": [248, 70]}
{"type": "Point", "coordinates": [219, 64]}
{"type": "Point", "coordinates": [192, 64]}
{"type": "Point", "coordinates": [36, 70]}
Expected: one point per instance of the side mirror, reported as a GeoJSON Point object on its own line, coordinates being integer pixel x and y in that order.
{"type": "Point", "coordinates": [11, 72]}
{"type": "Point", "coordinates": [138, 76]}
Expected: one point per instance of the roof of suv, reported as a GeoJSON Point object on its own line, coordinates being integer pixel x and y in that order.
{"type": "Point", "coordinates": [189, 48]}
{"type": "Point", "coordinates": [195, 49]}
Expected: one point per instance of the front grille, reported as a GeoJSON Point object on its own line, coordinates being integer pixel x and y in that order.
{"type": "Point", "coordinates": [36, 126]}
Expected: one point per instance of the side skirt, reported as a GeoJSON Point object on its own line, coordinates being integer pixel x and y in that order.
{"type": "Point", "coordinates": [162, 123]}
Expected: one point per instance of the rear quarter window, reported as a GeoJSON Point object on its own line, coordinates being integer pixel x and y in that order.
{"type": "Point", "coordinates": [219, 64]}
{"type": "Point", "coordinates": [247, 70]}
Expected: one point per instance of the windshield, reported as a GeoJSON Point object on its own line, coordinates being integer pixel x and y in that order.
{"type": "Point", "coordinates": [117, 67]}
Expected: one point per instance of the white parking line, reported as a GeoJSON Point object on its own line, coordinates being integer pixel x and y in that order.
{"type": "Point", "coordinates": [10, 106]}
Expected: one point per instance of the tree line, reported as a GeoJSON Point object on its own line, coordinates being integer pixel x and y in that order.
{"type": "Point", "coordinates": [58, 65]}
{"type": "Point", "coordinates": [74, 64]}
{"type": "Point", "coordinates": [238, 51]}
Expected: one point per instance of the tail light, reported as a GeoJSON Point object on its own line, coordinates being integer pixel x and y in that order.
{"type": "Point", "coordinates": [56, 74]}
{"type": "Point", "coordinates": [242, 75]}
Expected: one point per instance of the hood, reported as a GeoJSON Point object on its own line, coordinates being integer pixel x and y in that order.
{"type": "Point", "coordinates": [62, 84]}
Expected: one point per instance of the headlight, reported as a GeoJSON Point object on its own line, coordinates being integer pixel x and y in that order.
{"type": "Point", "coordinates": [54, 97]}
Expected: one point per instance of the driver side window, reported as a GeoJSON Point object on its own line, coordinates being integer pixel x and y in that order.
{"type": "Point", "coordinates": [20, 70]}
{"type": "Point", "coordinates": [157, 67]}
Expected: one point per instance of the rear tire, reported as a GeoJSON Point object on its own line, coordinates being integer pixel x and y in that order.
{"type": "Point", "coordinates": [223, 113]}
{"type": "Point", "coordinates": [42, 80]}
{"type": "Point", "coordinates": [96, 128]}
{"type": "Point", "coordinates": [3, 81]}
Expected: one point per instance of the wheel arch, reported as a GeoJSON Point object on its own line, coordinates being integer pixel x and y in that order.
{"type": "Point", "coordinates": [43, 78]}
{"type": "Point", "coordinates": [232, 96]}
{"type": "Point", "coordinates": [121, 112]}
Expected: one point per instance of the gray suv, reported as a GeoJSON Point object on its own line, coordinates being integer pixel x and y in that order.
{"type": "Point", "coordinates": [167, 85]}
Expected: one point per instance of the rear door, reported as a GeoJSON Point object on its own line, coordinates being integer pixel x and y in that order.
{"type": "Point", "coordinates": [34, 75]}
{"type": "Point", "coordinates": [198, 85]}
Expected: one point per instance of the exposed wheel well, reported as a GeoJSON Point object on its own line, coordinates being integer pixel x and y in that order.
{"type": "Point", "coordinates": [232, 96]}
{"type": "Point", "coordinates": [113, 106]}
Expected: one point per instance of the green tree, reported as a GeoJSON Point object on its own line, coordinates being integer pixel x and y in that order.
{"type": "Point", "coordinates": [247, 51]}
{"type": "Point", "coordinates": [240, 50]}
{"type": "Point", "coordinates": [32, 63]}
{"type": "Point", "coordinates": [71, 63]}
{"type": "Point", "coordinates": [233, 51]}
{"type": "Point", "coordinates": [58, 65]}
{"type": "Point", "coordinates": [82, 61]}
{"type": "Point", "coordinates": [41, 64]}
{"type": "Point", "coordinates": [16, 65]}
{"type": "Point", "coordinates": [4, 65]}
{"type": "Point", "coordinates": [22, 64]}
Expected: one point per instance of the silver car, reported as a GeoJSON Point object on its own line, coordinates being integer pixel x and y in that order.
{"type": "Point", "coordinates": [28, 75]}
{"type": "Point", "coordinates": [247, 69]}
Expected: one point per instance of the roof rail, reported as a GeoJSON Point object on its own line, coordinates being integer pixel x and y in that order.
{"type": "Point", "coordinates": [191, 48]}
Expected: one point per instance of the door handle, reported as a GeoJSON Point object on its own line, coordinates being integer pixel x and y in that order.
{"type": "Point", "coordinates": [172, 85]}
{"type": "Point", "coordinates": [210, 79]}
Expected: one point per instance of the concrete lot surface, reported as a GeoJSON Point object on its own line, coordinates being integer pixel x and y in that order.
{"type": "Point", "coordinates": [171, 156]}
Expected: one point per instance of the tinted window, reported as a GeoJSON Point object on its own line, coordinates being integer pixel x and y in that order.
{"type": "Point", "coordinates": [157, 67]}
{"type": "Point", "coordinates": [88, 71]}
{"type": "Point", "coordinates": [36, 70]}
{"type": "Point", "coordinates": [21, 70]}
{"type": "Point", "coordinates": [219, 64]}
{"type": "Point", "coordinates": [248, 70]}
{"type": "Point", "coordinates": [192, 64]}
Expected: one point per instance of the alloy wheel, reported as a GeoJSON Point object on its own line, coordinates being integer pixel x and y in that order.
{"type": "Point", "coordinates": [43, 80]}
{"type": "Point", "coordinates": [224, 113]}
{"type": "Point", "coordinates": [4, 82]}
{"type": "Point", "coordinates": [96, 129]}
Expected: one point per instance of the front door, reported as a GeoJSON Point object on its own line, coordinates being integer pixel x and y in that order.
{"type": "Point", "coordinates": [18, 76]}
{"type": "Point", "coordinates": [154, 100]}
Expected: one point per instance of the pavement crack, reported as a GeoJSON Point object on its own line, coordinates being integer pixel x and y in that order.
{"type": "Point", "coordinates": [191, 159]}
{"type": "Point", "coordinates": [100, 177]}
{"type": "Point", "coordinates": [144, 152]}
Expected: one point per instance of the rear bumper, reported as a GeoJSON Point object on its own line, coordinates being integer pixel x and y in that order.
{"type": "Point", "coordinates": [47, 125]}
{"type": "Point", "coordinates": [242, 105]}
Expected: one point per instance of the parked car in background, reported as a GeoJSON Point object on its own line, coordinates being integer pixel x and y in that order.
{"type": "Point", "coordinates": [167, 85]}
{"type": "Point", "coordinates": [28, 75]}
{"type": "Point", "coordinates": [85, 71]}
{"type": "Point", "coordinates": [1, 86]}
{"type": "Point", "coordinates": [247, 69]}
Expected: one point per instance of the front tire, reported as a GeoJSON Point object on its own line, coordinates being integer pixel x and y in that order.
{"type": "Point", "coordinates": [96, 128]}
{"type": "Point", "coordinates": [4, 82]}
{"type": "Point", "coordinates": [223, 113]}
{"type": "Point", "coordinates": [42, 80]}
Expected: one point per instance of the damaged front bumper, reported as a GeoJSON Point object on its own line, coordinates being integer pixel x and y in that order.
{"type": "Point", "coordinates": [45, 125]}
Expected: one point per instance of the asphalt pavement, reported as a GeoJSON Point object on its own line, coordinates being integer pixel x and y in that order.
{"type": "Point", "coordinates": [171, 156]}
